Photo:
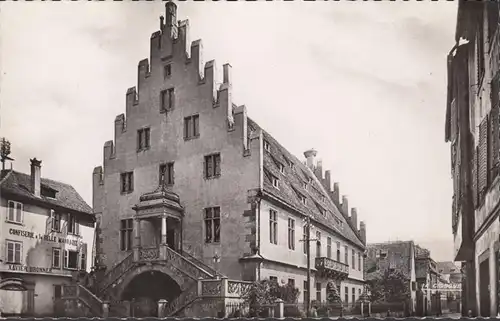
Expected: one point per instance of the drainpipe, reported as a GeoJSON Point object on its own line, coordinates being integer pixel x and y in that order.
{"type": "Point", "coordinates": [259, 200]}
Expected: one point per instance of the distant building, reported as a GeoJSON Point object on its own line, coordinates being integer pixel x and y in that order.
{"type": "Point", "coordinates": [46, 237]}
{"type": "Point", "coordinates": [450, 272]}
{"type": "Point", "coordinates": [399, 255]}
{"type": "Point", "coordinates": [472, 128]}
{"type": "Point", "coordinates": [427, 279]}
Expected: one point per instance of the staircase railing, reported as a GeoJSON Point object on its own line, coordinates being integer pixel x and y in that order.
{"type": "Point", "coordinates": [185, 265]}
{"type": "Point", "coordinates": [95, 304]}
{"type": "Point", "coordinates": [200, 263]}
{"type": "Point", "coordinates": [117, 271]}
{"type": "Point", "coordinates": [183, 300]}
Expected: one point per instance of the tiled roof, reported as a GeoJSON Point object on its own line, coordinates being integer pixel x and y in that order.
{"type": "Point", "coordinates": [447, 267]}
{"type": "Point", "coordinates": [67, 197]}
{"type": "Point", "coordinates": [292, 187]}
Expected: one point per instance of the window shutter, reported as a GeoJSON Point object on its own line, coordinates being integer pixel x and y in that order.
{"type": "Point", "coordinates": [474, 177]}
{"type": "Point", "coordinates": [49, 222]}
{"type": "Point", "coordinates": [482, 170]}
{"type": "Point", "coordinates": [494, 129]}
{"type": "Point", "coordinates": [217, 165]}
{"type": "Point", "coordinates": [453, 115]}
{"type": "Point", "coordinates": [77, 226]}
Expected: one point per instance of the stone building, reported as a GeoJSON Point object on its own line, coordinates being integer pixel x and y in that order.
{"type": "Point", "coordinates": [46, 237]}
{"type": "Point", "coordinates": [398, 255]}
{"type": "Point", "coordinates": [198, 190]}
{"type": "Point", "coordinates": [472, 128]}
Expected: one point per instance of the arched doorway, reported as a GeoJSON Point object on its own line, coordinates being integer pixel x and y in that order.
{"type": "Point", "coordinates": [146, 289]}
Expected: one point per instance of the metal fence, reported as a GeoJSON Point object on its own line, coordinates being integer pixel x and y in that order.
{"type": "Point", "coordinates": [323, 309]}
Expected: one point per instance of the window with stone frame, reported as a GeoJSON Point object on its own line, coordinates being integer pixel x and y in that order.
{"type": "Point", "coordinates": [273, 226]}
{"type": "Point", "coordinates": [353, 259]}
{"type": "Point", "coordinates": [346, 254]}
{"type": "Point", "coordinates": [143, 139]}
{"type": "Point", "coordinates": [167, 174]}
{"type": "Point", "coordinates": [359, 261]}
{"type": "Point", "coordinates": [338, 252]}
{"type": "Point", "coordinates": [191, 127]}
{"type": "Point", "coordinates": [318, 244]}
{"type": "Point", "coordinates": [346, 294]}
{"type": "Point", "coordinates": [291, 234]}
{"type": "Point", "coordinates": [167, 71]}
{"type": "Point", "coordinates": [304, 239]}
{"type": "Point", "coordinates": [126, 230]}
{"type": "Point", "coordinates": [127, 182]}
{"type": "Point", "coordinates": [353, 295]}
{"type": "Point", "coordinates": [329, 247]}
{"type": "Point", "coordinates": [55, 218]}
{"type": "Point", "coordinates": [212, 166]}
{"type": "Point", "coordinates": [318, 291]}
{"type": "Point", "coordinates": [212, 225]}
{"type": "Point", "coordinates": [167, 99]}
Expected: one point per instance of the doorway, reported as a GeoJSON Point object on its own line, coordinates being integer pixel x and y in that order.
{"type": "Point", "coordinates": [484, 288]}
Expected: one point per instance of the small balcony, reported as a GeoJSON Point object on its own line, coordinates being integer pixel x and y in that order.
{"type": "Point", "coordinates": [331, 269]}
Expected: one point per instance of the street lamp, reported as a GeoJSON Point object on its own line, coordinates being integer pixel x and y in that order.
{"type": "Point", "coordinates": [307, 242]}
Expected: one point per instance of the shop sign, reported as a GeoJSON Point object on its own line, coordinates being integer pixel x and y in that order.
{"type": "Point", "coordinates": [31, 269]}
{"type": "Point", "coordinates": [42, 237]}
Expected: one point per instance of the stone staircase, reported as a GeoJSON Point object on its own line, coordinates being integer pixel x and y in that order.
{"type": "Point", "coordinates": [184, 262]}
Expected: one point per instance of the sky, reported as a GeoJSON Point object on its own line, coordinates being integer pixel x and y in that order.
{"type": "Point", "coordinates": [364, 83]}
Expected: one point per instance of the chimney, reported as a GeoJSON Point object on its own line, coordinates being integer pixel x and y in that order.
{"type": "Point", "coordinates": [345, 206]}
{"type": "Point", "coordinates": [328, 181]}
{"type": "Point", "coordinates": [354, 217]}
{"type": "Point", "coordinates": [310, 155]}
{"type": "Point", "coordinates": [35, 176]}
{"type": "Point", "coordinates": [318, 170]}
{"type": "Point", "coordinates": [162, 22]}
{"type": "Point", "coordinates": [362, 231]}
{"type": "Point", "coordinates": [336, 193]}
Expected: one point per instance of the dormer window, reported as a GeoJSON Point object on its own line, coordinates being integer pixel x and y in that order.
{"type": "Point", "coordinates": [282, 168]}
{"type": "Point", "coordinates": [275, 181]}
{"type": "Point", "coordinates": [303, 199]}
{"type": "Point", "coordinates": [167, 71]}
{"type": "Point", "coordinates": [266, 145]}
{"type": "Point", "coordinates": [304, 185]}
{"type": "Point", "coordinates": [310, 180]}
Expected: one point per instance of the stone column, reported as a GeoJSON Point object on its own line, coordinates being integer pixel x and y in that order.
{"type": "Point", "coordinates": [137, 238]}
{"type": "Point", "coordinates": [281, 309]}
{"type": "Point", "coordinates": [164, 230]}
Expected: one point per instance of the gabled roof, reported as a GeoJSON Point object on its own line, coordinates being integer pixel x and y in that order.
{"type": "Point", "coordinates": [448, 267]}
{"type": "Point", "coordinates": [291, 185]}
{"type": "Point", "coordinates": [397, 255]}
{"type": "Point", "coordinates": [67, 197]}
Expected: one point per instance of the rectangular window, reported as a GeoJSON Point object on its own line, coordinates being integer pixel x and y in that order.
{"type": "Point", "coordinates": [15, 214]}
{"type": "Point", "coordinates": [57, 291]}
{"type": "Point", "coordinates": [329, 247]}
{"type": "Point", "coordinates": [353, 260]}
{"type": "Point", "coordinates": [359, 261]}
{"type": "Point", "coordinates": [126, 229]}
{"type": "Point", "coordinates": [273, 279]}
{"type": "Point", "coordinates": [338, 251]}
{"type": "Point", "coordinates": [359, 293]}
{"type": "Point", "coordinates": [303, 199]}
{"type": "Point", "coordinates": [291, 234]}
{"type": "Point", "coordinates": [282, 168]}
{"type": "Point", "coordinates": [291, 282]}
{"type": "Point", "coordinates": [56, 258]}
{"type": "Point", "coordinates": [306, 291]}
{"type": "Point", "coordinates": [70, 259]}
{"type": "Point", "coordinates": [143, 138]}
{"type": "Point", "coordinates": [346, 255]}
{"type": "Point", "coordinates": [305, 241]}
{"type": "Point", "coordinates": [167, 99]}
{"type": "Point", "coordinates": [72, 225]}
{"type": "Point", "coordinates": [273, 227]}
{"type": "Point", "coordinates": [318, 292]}
{"type": "Point", "coordinates": [212, 225]}
{"type": "Point", "coordinates": [353, 295]}
{"type": "Point", "coordinates": [167, 71]}
{"type": "Point", "coordinates": [14, 252]}
{"type": "Point", "coordinates": [212, 166]}
{"type": "Point", "coordinates": [346, 295]}
{"type": "Point", "coordinates": [167, 174]}
{"type": "Point", "coordinates": [192, 127]}
{"type": "Point", "coordinates": [127, 182]}
{"type": "Point", "coordinates": [56, 221]}
{"type": "Point", "coordinates": [318, 244]}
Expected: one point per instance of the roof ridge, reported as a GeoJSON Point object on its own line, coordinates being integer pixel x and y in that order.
{"type": "Point", "coordinates": [43, 178]}
{"type": "Point", "coordinates": [6, 176]}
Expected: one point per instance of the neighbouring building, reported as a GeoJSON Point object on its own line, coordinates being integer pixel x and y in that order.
{"type": "Point", "coordinates": [196, 189]}
{"type": "Point", "coordinates": [450, 284]}
{"type": "Point", "coordinates": [472, 128]}
{"type": "Point", "coordinates": [427, 276]}
{"type": "Point", "coordinates": [450, 272]}
{"type": "Point", "coordinates": [412, 261]}
{"type": "Point", "coordinates": [46, 237]}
